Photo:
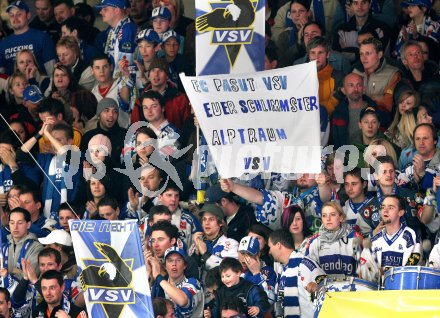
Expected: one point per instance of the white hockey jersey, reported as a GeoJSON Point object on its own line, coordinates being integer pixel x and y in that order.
{"type": "Point", "coordinates": [400, 249]}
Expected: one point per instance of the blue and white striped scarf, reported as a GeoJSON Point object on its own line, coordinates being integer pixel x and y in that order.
{"type": "Point", "coordinates": [54, 167]}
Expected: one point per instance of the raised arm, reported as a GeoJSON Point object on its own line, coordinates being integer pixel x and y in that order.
{"type": "Point", "coordinates": [325, 191]}
{"type": "Point", "coordinates": [59, 148]}
{"type": "Point", "coordinates": [177, 295]}
{"type": "Point", "coordinates": [30, 143]}
{"type": "Point", "coordinates": [247, 193]}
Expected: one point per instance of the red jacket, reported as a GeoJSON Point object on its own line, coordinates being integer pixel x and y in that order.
{"type": "Point", "coordinates": [177, 108]}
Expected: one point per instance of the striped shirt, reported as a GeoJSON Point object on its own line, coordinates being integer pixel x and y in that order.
{"type": "Point", "coordinates": [287, 287]}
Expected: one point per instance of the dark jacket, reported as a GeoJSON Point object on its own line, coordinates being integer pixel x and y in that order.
{"type": "Point", "coordinates": [72, 310]}
{"type": "Point", "coordinates": [250, 294]}
{"type": "Point", "coordinates": [53, 29]}
{"type": "Point", "coordinates": [429, 75]}
{"type": "Point", "coordinates": [116, 134]}
{"type": "Point", "coordinates": [238, 226]}
{"type": "Point", "coordinates": [349, 31]}
{"type": "Point", "coordinates": [340, 121]}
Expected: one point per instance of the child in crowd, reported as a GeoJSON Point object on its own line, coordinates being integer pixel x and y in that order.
{"type": "Point", "coordinates": [253, 296]}
{"type": "Point", "coordinates": [171, 46]}
{"type": "Point", "coordinates": [254, 269]}
{"type": "Point", "coordinates": [161, 17]}
{"type": "Point", "coordinates": [148, 44]}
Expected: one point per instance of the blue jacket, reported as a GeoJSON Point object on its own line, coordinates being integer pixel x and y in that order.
{"type": "Point", "coordinates": [251, 294]}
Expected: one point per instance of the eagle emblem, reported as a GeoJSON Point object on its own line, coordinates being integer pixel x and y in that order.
{"type": "Point", "coordinates": [108, 281]}
{"type": "Point", "coordinates": [231, 23]}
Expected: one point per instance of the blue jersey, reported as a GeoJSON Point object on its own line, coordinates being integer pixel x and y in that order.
{"type": "Point", "coordinates": [193, 290]}
{"type": "Point", "coordinates": [121, 44]}
{"type": "Point", "coordinates": [217, 250]}
{"type": "Point", "coordinates": [167, 137]}
{"type": "Point", "coordinates": [266, 279]}
{"type": "Point", "coordinates": [34, 40]}
{"type": "Point", "coordinates": [402, 248]}
{"type": "Point", "coordinates": [187, 224]}
{"type": "Point", "coordinates": [6, 181]}
{"type": "Point", "coordinates": [58, 171]}
{"type": "Point", "coordinates": [270, 211]}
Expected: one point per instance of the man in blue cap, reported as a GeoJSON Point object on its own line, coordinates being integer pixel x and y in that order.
{"type": "Point", "coordinates": [190, 302]}
{"type": "Point", "coordinates": [161, 20]}
{"type": "Point", "coordinates": [24, 38]}
{"type": "Point", "coordinates": [147, 46]}
{"type": "Point", "coordinates": [28, 114]}
{"type": "Point", "coordinates": [176, 60]}
{"type": "Point", "coordinates": [120, 44]}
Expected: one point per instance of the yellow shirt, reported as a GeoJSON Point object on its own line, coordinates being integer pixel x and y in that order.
{"type": "Point", "coordinates": [44, 144]}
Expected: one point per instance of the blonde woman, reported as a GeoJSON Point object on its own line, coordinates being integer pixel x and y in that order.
{"type": "Point", "coordinates": [26, 64]}
{"type": "Point", "coordinates": [333, 248]}
{"type": "Point", "coordinates": [401, 129]}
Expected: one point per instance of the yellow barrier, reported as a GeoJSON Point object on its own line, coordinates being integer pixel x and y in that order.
{"type": "Point", "coordinates": [386, 304]}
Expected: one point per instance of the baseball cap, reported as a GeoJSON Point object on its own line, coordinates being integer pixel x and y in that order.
{"type": "Point", "coordinates": [161, 12]}
{"type": "Point", "coordinates": [148, 35]}
{"type": "Point", "coordinates": [249, 244]}
{"type": "Point", "coordinates": [424, 3]}
{"type": "Point", "coordinates": [214, 194]}
{"type": "Point", "coordinates": [122, 4]}
{"type": "Point", "coordinates": [174, 249]}
{"type": "Point", "coordinates": [213, 209]}
{"type": "Point", "coordinates": [20, 5]}
{"type": "Point", "coordinates": [33, 94]}
{"type": "Point", "coordinates": [106, 103]}
{"type": "Point", "coordinates": [170, 34]}
{"type": "Point", "coordinates": [368, 110]}
{"type": "Point", "coordinates": [57, 236]}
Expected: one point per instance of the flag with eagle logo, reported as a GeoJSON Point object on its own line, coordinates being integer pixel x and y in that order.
{"type": "Point", "coordinates": [113, 272]}
{"type": "Point", "coordinates": [229, 36]}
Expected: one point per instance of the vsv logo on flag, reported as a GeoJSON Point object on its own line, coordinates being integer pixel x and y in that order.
{"type": "Point", "coordinates": [113, 275]}
{"type": "Point", "coordinates": [224, 27]}
{"type": "Point", "coordinates": [230, 23]}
